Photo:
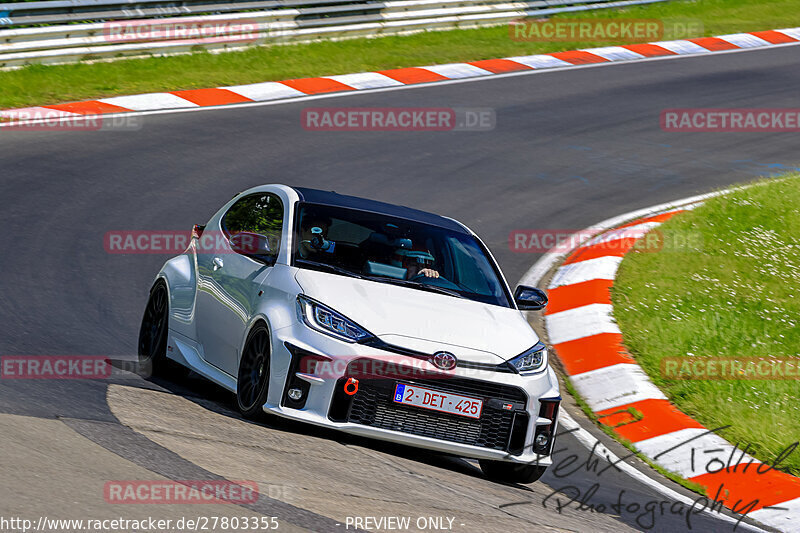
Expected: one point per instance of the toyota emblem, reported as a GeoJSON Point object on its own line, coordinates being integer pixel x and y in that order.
{"type": "Point", "coordinates": [444, 360]}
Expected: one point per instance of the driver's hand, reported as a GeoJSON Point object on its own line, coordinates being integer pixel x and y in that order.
{"type": "Point", "coordinates": [428, 273]}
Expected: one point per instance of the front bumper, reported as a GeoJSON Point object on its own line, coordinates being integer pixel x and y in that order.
{"type": "Point", "coordinates": [516, 408]}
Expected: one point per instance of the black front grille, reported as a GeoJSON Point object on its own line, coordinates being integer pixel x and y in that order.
{"type": "Point", "coordinates": [498, 428]}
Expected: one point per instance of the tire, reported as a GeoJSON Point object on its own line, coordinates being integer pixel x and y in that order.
{"type": "Point", "coordinates": [511, 472]}
{"type": "Point", "coordinates": [252, 382]}
{"type": "Point", "coordinates": [153, 331]}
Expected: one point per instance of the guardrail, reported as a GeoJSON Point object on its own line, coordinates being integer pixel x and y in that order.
{"type": "Point", "coordinates": [82, 30]}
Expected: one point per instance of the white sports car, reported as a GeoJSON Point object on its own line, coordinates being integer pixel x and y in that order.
{"type": "Point", "coordinates": [366, 317]}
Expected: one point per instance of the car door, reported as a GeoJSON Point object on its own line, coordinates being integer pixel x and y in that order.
{"type": "Point", "coordinates": [228, 282]}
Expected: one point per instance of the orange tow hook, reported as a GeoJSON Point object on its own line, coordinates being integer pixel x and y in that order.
{"type": "Point", "coordinates": [351, 386]}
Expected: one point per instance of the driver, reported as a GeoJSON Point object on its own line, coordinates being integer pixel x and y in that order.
{"type": "Point", "coordinates": [416, 263]}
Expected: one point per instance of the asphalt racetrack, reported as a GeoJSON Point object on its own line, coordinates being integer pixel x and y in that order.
{"type": "Point", "coordinates": [570, 148]}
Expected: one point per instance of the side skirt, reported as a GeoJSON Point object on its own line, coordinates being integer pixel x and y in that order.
{"type": "Point", "coordinates": [187, 352]}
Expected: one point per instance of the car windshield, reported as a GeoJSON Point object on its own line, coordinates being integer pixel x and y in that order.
{"type": "Point", "coordinates": [382, 248]}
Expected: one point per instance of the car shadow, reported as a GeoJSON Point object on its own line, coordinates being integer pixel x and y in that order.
{"type": "Point", "coordinates": [191, 386]}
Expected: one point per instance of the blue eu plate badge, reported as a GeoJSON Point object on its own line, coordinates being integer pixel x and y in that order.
{"type": "Point", "coordinates": [398, 392]}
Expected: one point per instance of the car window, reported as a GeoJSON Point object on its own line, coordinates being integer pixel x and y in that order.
{"type": "Point", "coordinates": [387, 249]}
{"type": "Point", "coordinates": [260, 213]}
{"type": "Point", "coordinates": [471, 271]}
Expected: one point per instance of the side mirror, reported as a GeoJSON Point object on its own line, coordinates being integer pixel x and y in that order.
{"type": "Point", "coordinates": [251, 244]}
{"type": "Point", "coordinates": [530, 298]}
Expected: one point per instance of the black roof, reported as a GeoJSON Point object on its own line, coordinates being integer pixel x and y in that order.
{"type": "Point", "coordinates": [316, 196]}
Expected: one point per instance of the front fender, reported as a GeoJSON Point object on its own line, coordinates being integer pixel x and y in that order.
{"type": "Point", "coordinates": [276, 308]}
{"type": "Point", "coordinates": [275, 303]}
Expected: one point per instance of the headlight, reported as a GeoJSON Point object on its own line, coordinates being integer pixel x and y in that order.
{"type": "Point", "coordinates": [326, 320]}
{"type": "Point", "coordinates": [530, 361]}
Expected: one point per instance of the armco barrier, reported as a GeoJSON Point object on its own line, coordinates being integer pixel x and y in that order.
{"type": "Point", "coordinates": [75, 30]}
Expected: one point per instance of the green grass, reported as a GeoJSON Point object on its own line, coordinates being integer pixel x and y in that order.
{"type": "Point", "coordinates": [735, 293]}
{"type": "Point", "coordinates": [37, 85]}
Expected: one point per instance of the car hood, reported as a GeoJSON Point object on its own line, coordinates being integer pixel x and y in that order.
{"type": "Point", "coordinates": [421, 320]}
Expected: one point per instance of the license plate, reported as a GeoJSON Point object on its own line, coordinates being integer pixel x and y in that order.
{"type": "Point", "coordinates": [445, 402]}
